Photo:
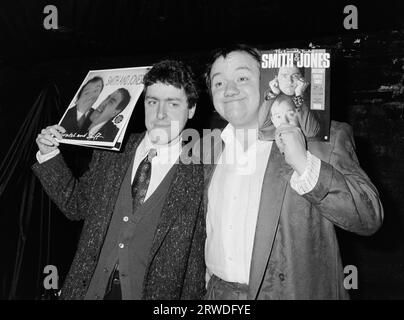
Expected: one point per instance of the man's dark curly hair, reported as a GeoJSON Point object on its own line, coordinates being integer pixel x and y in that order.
{"type": "Point", "coordinates": [177, 74]}
{"type": "Point", "coordinates": [224, 52]}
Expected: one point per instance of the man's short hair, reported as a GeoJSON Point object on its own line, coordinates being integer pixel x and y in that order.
{"type": "Point", "coordinates": [224, 52]}
{"type": "Point", "coordinates": [125, 99]}
{"type": "Point", "coordinates": [95, 79]}
{"type": "Point", "coordinates": [177, 74]}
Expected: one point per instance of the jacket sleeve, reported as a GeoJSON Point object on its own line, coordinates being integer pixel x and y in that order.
{"type": "Point", "coordinates": [344, 193]}
{"type": "Point", "coordinates": [194, 283]}
{"type": "Point", "coordinates": [70, 194]}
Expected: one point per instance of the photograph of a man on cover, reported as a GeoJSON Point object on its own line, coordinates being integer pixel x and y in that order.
{"type": "Point", "coordinates": [76, 116]}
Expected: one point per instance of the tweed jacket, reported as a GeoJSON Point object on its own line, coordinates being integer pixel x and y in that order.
{"type": "Point", "coordinates": [176, 267]}
{"type": "Point", "coordinates": [295, 253]}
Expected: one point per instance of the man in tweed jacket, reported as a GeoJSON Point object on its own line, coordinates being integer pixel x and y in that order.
{"type": "Point", "coordinates": [155, 251]}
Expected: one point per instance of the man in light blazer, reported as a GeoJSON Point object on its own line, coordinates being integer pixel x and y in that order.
{"type": "Point", "coordinates": [271, 218]}
{"type": "Point", "coordinates": [144, 230]}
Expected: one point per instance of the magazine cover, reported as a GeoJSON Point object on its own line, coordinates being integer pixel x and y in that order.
{"type": "Point", "coordinates": [297, 82]}
{"type": "Point", "coordinates": [100, 111]}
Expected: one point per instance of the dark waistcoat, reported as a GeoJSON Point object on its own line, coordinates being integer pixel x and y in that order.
{"type": "Point", "coordinates": [129, 240]}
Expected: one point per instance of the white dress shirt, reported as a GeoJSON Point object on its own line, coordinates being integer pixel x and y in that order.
{"type": "Point", "coordinates": [234, 196]}
{"type": "Point", "coordinates": [167, 155]}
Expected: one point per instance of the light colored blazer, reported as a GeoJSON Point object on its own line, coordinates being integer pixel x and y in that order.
{"type": "Point", "coordinates": [296, 253]}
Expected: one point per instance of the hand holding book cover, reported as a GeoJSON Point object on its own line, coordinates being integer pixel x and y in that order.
{"type": "Point", "coordinates": [296, 84]}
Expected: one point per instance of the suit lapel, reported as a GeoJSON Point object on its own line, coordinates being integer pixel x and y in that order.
{"type": "Point", "coordinates": [276, 179]}
{"type": "Point", "coordinates": [178, 187]}
{"type": "Point", "coordinates": [175, 200]}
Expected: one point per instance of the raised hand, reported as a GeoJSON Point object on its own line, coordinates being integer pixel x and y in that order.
{"type": "Point", "coordinates": [292, 144]}
{"type": "Point", "coordinates": [47, 140]}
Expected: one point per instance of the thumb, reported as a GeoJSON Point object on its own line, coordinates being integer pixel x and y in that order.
{"type": "Point", "coordinates": [279, 142]}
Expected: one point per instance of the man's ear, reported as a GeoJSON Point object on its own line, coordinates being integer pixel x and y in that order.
{"type": "Point", "coordinates": [191, 112]}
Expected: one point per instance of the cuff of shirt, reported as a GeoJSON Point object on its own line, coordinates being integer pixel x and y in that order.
{"type": "Point", "coordinates": [45, 157]}
{"type": "Point", "coordinates": [307, 181]}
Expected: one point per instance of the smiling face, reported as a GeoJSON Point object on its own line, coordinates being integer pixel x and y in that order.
{"type": "Point", "coordinates": [235, 89]}
{"type": "Point", "coordinates": [288, 79]}
{"type": "Point", "coordinates": [89, 95]}
{"type": "Point", "coordinates": [166, 112]}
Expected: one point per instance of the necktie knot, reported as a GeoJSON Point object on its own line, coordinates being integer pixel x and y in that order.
{"type": "Point", "coordinates": [151, 154]}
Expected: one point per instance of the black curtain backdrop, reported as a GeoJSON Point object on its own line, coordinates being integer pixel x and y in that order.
{"type": "Point", "coordinates": [26, 222]}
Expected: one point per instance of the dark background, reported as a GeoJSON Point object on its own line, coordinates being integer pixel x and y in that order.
{"type": "Point", "coordinates": [40, 70]}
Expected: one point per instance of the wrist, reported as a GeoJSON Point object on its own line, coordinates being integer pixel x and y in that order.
{"type": "Point", "coordinates": [41, 158]}
{"type": "Point", "coordinates": [301, 165]}
{"type": "Point", "coordinates": [308, 180]}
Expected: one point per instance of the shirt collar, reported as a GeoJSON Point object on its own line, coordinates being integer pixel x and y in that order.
{"type": "Point", "coordinates": [229, 136]}
{"type": "Point", "coordinates": [166, 153]}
